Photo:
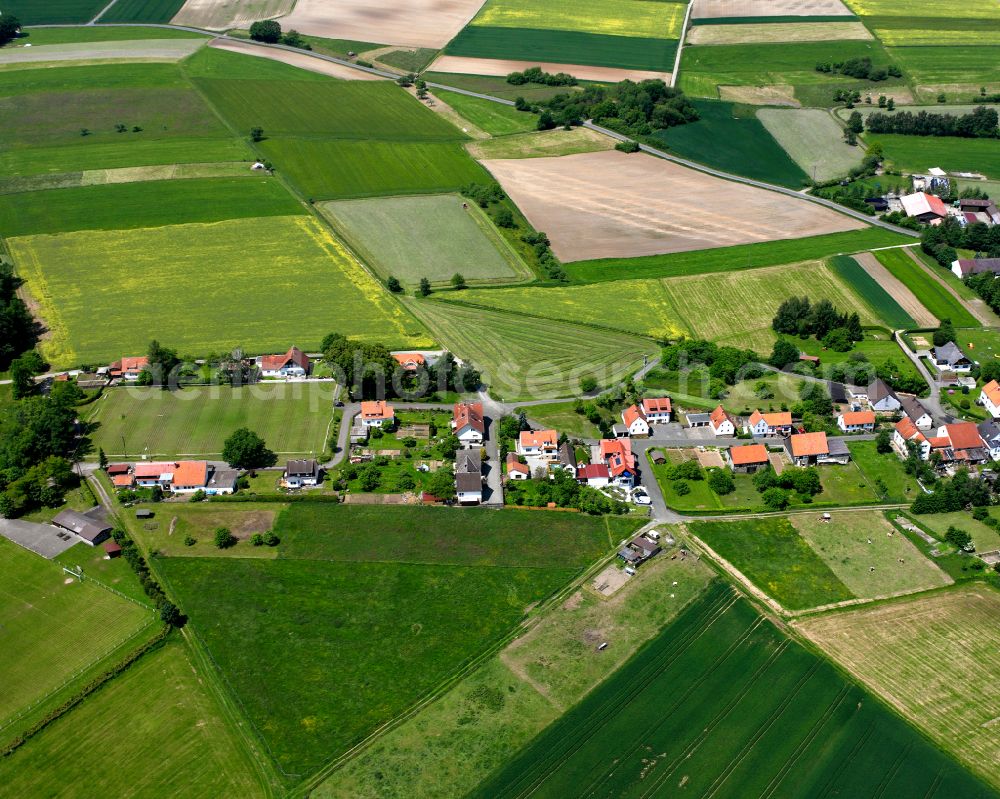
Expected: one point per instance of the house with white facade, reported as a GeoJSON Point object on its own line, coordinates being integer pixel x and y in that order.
{"type": "Point", "coordinates": [989, 398]}
{"type": "Point", "coordinates": [950, 358]}
{"type": "Point", "coordinates": [616, 453]}
{"type": "Point", "coordinates": [658, 410]}
{"type": "Point", "coordinates": [635, 421]}
{"type": "Point", "coordinates": [989, 432]}
{"type": "Point", "coordinates": [857, 421]}
{"type": "Point", "coordinates": [917, 413]}
{"type": "Point", "coordinates": [596, 475]}
{"type": "Point", "coordinates": [377, 413]}
{"type": "Point", "coordinates": [722, 423]}
{"type": "Point", "coordinates": [294, 363]}
{"type": "Point", "coordinates": [468, 477]}
{"type": "Point", "coordinates": [770, 424]}
{"type": "Point", "coordinates": [129, 368]}
{"type": "Point", "coordinates": [542, 444]}
{"type": "Point", "coordinates": [881, 398]}
{"type": "Point", "coordinates": [468, 423]}
{"type": "Point", "coordinates": [300, 473]}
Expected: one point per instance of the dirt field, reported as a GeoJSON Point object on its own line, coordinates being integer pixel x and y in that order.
{"type": "Point", "coordinates": [897, 290]}
{"type": "Point", "coordinates": [496, 66]}
{"type": "Point", "coordinates": [220, 15]}
{"type": "Point", "coordinates": [416, 23]}
{"type": "Point", "coordinates": [712, 9]}
{"type": "Point", "coordinates": [609, 204]}
{"type": "Point", "coordinates": [142, 50]}
{"type": "Point", "coordinates": [710, 458]}
{"type": "Point", "coordinates": [782, 32]}
{"type": "Point", "coordinates": [760, 95]}
{"type": "Point", "coordinates": [933, 658]}
{"type": "Point", "coordinates": [300, 60]}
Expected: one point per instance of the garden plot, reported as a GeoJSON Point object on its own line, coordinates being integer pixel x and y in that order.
{"type": "Point", "coordinates": [300, 60]}
{"type": "Point", "coordinates": [117, 52]}
{"type": "Point", "coordinates": [608, 204]}
{"type": "Point", "coordinates": [777, 32]}
{"type": "Point", "coordinates": [813, 139]}
{"type": "Point", "coordinates": [720, 9]}
{"type": "Point", "coordinates": [220, 15]}
{"type": "Point", "coordinates": [416, 23]}
{"type": "Point", "coordinates": [504, 66]}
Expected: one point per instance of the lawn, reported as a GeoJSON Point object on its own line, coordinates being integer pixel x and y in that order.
{"type": "Point", "coordinates": [291, 417]}
{"type": "Point", "coordinates": [31, 12]}
{"type": "Point", "coordinates": [146, 204]}
{"type": "Point", "coordinates": [740, 144]}
{"type": "Point", "coordinates": [725, 704]}
{"type": "Point", "coordinates": [986, 539]}
{"type": "Point", "coordinates": [444, 536]}
{"type": "Point", "coordinates": [155, 730]}
{"type": "Point", "coordinates": [725, 259]}
{"type": "Point", "coordinates": [878, 346]}
{"type": "Point", "coordinates": [84, 77]}
{"type": "Point", "coordinates": [854, 275]}
{"type": "Point", "coordinates": [529, 358]}
{"type": "Point", "coordinates": [433, 236]}
{"type": "Point", "coordinates": [254, 298]}
{"type": "Point", "coordinates": [143, 11]}
{"type": "Point", "coordinates": [875, 466]}
{"type": "Point", "coordinates": [330, 169]}
{"type": "Point", "coordinates": [100, 33]}
{"type": "Point", "coordinates": [918, 153]}
{"type": "Point", "coordinates": [634, 18]}
{"type": "Point", "coordinates": [868, 555]}
{"type": "Point", "coordinates": [813, 139]}
{"type": "Point", "coordinates": [495, 119]}
{"type": "Point", "coordinates": [561, 416]}
{"type": "Point", "coordinates": [772, 554]}
{"type": "Point", "coordinates": [934, 658]}
{"type": "Point", "coordinates": [495, 85]}
{"type": "Point", "coordinates": [540, 144]}
{"type": "Point", "coordinates": [54, 627]}
{"type": "Point", "coordinates": [958, 71]}
{"type": "Point", "coordinates": [279, 630]}
{"type": "Point", "coordinates": [173, 524]}
{"type": "Point", "coordinates": [934, 297]}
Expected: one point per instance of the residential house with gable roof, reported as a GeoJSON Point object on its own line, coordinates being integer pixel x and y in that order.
{"type": "Point", "coordinates": [617, 454]}
{"type": "Point", "coordinates": [964, 443]}
{"type": "Point", "coordinates": [129, 368]}
{"type": "Point", "coordinates": [881, 398]}
{"type": "Point", "coordinates": [924, 207]}
{"type": "Point", "coordinates": [377, 413]}
{"type": "Point", "coordinates": [596, 475]}
{"type": "Point", "coordinates": [515, 469]}
{"type": "Point", "coordinates": [294, 363]}
{"type": "Point", "coordinates": [542, 444]}
{"type": "Point", "coordinates": [409, 361]}
{"type": "Point", "coordinates": [658, 410]}
{"type": "Point", "coordinates": [989, 432]}
{"type": "Point", "coordinates": [964, 267]}
{"type": "Point", "coordinates": [905, 432]}
{"type": "Point", "coordinates": [989, 398]}
{"type": "Point", "coordinates": [856, 421]}
{"type": "Point", "coordinates": [469, 477]}
{"type": "Point", "coordinates": [468, 423]}
{"type": "Point", "coordinates": [950, 358]}
{"type": "Point", "coordinates": [810, 449]}
{"type": "Point", "coordinates": [917, 413]}
{"type": "Point", "coordinates": [721, 422]}
{"type": "Point", "coordinates": [770, 424]}
{"type": "Point", "coordinates": [634, 419]}
{"type": "Point", "coordinates": [748, 458]}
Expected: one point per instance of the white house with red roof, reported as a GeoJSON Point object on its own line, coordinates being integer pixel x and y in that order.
{"type": "Point", "coordinates": [468, 424]}
{"type": "Point", "coordinates": [515, 469]}
{"type": "Point", "coordinates": [856, 421]}
{"type": "Point", "coordinates": [595, 475]}
{"type": "Point", "coordinates": [129, 368]}
{"type": "Point", "coordinates": [770, 424]}
{"type": "Point", "coordinates": [538, 444]}
{"type": "Point", "coordinates": [376, 413]}
{"type": "Point", "coordinates": [989, 398]}
{"type": "Point", "coordinates": [635, 421]}
{"type": "Point", "coordinates": [722, 423]}
{"type": "Point", "coordinates": [964, 442]}
{"type": "Point", "coordinates": [907, 431]}
{"type": "Point", "coordinates": [294, 363]}
{"type": "Point", "coordinates": [616, 454]}
{"type": "Point", "coordinates": [657, 410]}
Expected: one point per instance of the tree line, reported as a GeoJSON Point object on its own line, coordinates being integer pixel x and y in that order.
{"type": "Point", "coordinates": [861, 68]}
{"type": "Point", "coordinates": [981, 123]}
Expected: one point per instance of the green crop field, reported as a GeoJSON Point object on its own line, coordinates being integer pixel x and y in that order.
{"type": "Point", "coordinates": [495, 119]}
{"type": "Point", "coordinates": [635, 18]}
{"type": "Point", "coordinates": [725, 259]}
{"type": "Point", "coordinates": [855, 276]}
{"type": "Point", "coordinates": [100, 33]}
{"type": "Point", "coordinates": [432, 237]}
{"type": "Point", "coordinates": [155, 730]}
{"type": "Point", "coordinates": [31, 12]}
{"type": "Point", "coordinates": [934, 297]}
{"type": "Point", "coordinates": [934, 658]}
{"type": "Point", "coordinates": [918, 153]}
{"type": "Point", "coordinates": [958, 71]}
{"type": "Point", "coordinates": [279, 631]}
{"type": "Point", "coordinates": [779, 561]}
{"type": "Point", "coordinates": [211, 62]}
{"type": "Point", "coordinates": [52, 629]}
{"type": "Point", "coordinates": [495, 85]}
{"type": "Point", "coordinates": [84, 77]}
{"type": "Point", "coordinates": [124, 206]}
{"type": "Point", "coordinates": [253, 297]}
{"type": "Point", "coordinates": [340, 168]}
{"type": "Point", "coordinates": [735, 144]}
{"type": "Point", "coordinates": [723, 704]}
{"type": "Point", "coordinates": [292, 417]}
{"type": "Point", "coordinates": [525, 357]}
{"type": "Point", "coordinates": [143, 11]}
{"type": "Point", "coordinates": [813, 139]}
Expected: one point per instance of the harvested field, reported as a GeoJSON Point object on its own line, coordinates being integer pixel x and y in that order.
{"type": "Point", "coordinates": [898, 290]}
{"type": "Point", "coordinates": [220, 15]}
{"type": "Point", "coordinates": [417, 23]}
{"type": "Point", "coordinates": [300, 60]}
{"type": "Point", "coordinates": [138, 174]}
{"type": "Point", "coordinates": [609, 204]}
{"type": "Point", "coordinates": [500, 66]}
{"type": "Point", "coordinates": [718, 9]}
{"type": "Point", "coordinates": [813, 139]}
{"type": "Point", "coordinates": [760, 95]}
{"type": "Point", "coordinates": [541, 144]}
{"type": "Point", "coordinates": [935, 659]}
{"type": "Point", "coordinates": [117, 52]}
{"type": "Point", "coordinates": [780, 32]}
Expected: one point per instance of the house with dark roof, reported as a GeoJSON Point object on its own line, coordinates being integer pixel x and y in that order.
{"type": "Point", "coordinates": [698, 419]}
{"type": "Point", "coordinates": [916, 412]}
{"type": "Point", "coordinates": [300, 473]}
{"type": "Point", "coordinates": [950, 358]}
{"type": "Point", "coordinates": [566, 458]}
{"type": "Point", "coordinates": [293, 363]}
{"type": "Point", "coordinates": [989, 433]}
{"type": "Point", "coordinates": [88, 529]}
{"type": "Point", "coordinates": [964, 267]}
{"type": "Point", "coordinates": [469, 477]}
{"type": "Point", "coordinates": [881, 398]}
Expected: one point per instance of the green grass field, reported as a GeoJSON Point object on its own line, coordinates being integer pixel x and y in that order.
{"type": "Point", "coordinates": [279, 631]}
{"type": "Point", "coordinates": [495, 85]}
{"type": "Point", "coordinates": [813, 139]}
{"type": "Point", "coordinates": [985, 538]}
{"type": "Point", "coordinates": [958, 71]}
{"type": "Point", "coordinates": [155, 730]}
{"type": "Point", "coordinates": [524, 357]}
{"type": "Point", "coordinates": [53, 629]}
{"type": "Point", "coordinates": [147, 204]}
{"type": "Point", "coordinates": [726, 705]}
{"type": "Point", "coordinates": [738, 144]}
{"type": "Point", "coordinates": [143, 11]}
{"type": "Point", "coordinates": [85, 77]}
{"type": "Point", "coordinates": [934, 658]}
{"type": "Point", "coordinates": [333, 169]}
{"type": "Point", "coordinates": [724, 259]}
{"type": "Point", "coordinates": [855, 276]}
{"type": "Point", "coordinates": [634, 18]}
{"type": "Point", "coordinates": [541, 144]}
{"type": "Point", "coordinates": [291, 417]}
{"type": "Point", "coordinates": [100, 33]}
{"type": "Point", "coordinates": [29, 12]}
{"type": "Point", "coordinates": [918, 153]}
{"type": "Point", "coordinates": [772, 554]}
{"type": "Point", "coordinates": [495, 119]}
{"type": "Point", "coordinates": [173, 524]}
{"type": "Point", "coordinates": [431, 236]}
{"type": "Point", "coordinates": [254, 297]}
{"type": "Point", "coordinates": [934, 297]}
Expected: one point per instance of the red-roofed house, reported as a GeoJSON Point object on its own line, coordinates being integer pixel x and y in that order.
{"type": "Point", "coordinates": [964, 442]}
{"type": "Point", "coordinates": [747, 459]}
{"type": "Point", "coordinates": [538, 443]}
{"type": "Point", "coordinates": [722, 423]}
{"type": "Point", "coordinates": [907, 431]}
{"type": "Point", "coordinates": [129, 368]}
{"type": "Point", "coordinates": [377, 413]}
{"type": "Point", "coordinates": [635, 421]}
{"type": "Point", "coordinates": [856, 421]}
{"type": "Point", "coordinates": [294, 363]}
{"type": "Point", "coordinates": [924, 207]}
{"type": "Point", "coordinates": [770, 424]}
{"type": "Point", "coordinates": [515, 469]}
{"type": "Point", "coordinates": [467, 423]}
{"type": "Point", "coordinates": [806, 449]}
{"type": "Point", "coordinates": [596, 475]}
{"type": "Point", "coordinates": [989, 398]}
{"type": "Point", "coordinates": [148, 475]}
{"type": "Point", "coordinates": [617, 455]}
{"type": "Point", "coordinates": [409, 361]}
{"type": "Point", "coordinates": [189, 476]}
{"type": "Point", "coordinates": [122, 480]}
{"type": "Point", "coordinates": [657, 409]}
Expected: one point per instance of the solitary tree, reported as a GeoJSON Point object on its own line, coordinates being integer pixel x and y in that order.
{"type": "Point", "coordinates": [457, 281]}
{"type": "Point", "coordinates": [256, 134]}
{"type": "Point", "coordinates": [224, 538]}
{"type": "Point", "coordinates": [393, 285]}
{"type": "Point", "coordinates": [244, 449]}
{"type": "Point", "coordinates": [425, 287]}
{"type": "Point", "coordinates": [267, 30]}
{"type": "Point", "coordinates": [102, 459]}
{"type": "Point", "coordinates": [9, 28]}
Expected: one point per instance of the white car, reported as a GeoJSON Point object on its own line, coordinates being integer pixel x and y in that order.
{"type": "Point", "coordinates": [640, 497]}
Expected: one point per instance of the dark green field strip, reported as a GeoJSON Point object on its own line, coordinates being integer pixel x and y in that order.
{"type": "Point", "coordinates": [564, 47]}
{"type": "Point", "coordinates": [50, 12]}
{"type": "Point", "coordinates": [885, 307]}
{"type": "Point", "coordinates": [320, 653]}
{"type": "Point", "coordinates": [724, 259]}
{"type": "Point", "coordinates": [84, 78]}
{"type": "Point", "coordinates": [143, 11]}
{"type": "Point", "coordinates": [342, 109]}
{"type": "Point", "coordinates": [772, 20]}
{"type": "Point", "coordinates": [932, 294]}
{"type": "Point", "coordinates": [741, 145]}
{"type": "Point", "coordinates": [435, 535]}
{"type": "Point", "coordinates": [910, 23]}
{"type": "Point", "coordinates": [772, 554]}
{"type": "Point", "coordinates": [339, 169]}
{"type": "Point", "coordinates": [724, 705]}
{"type": "Point", "coordinates": [124, 206]}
